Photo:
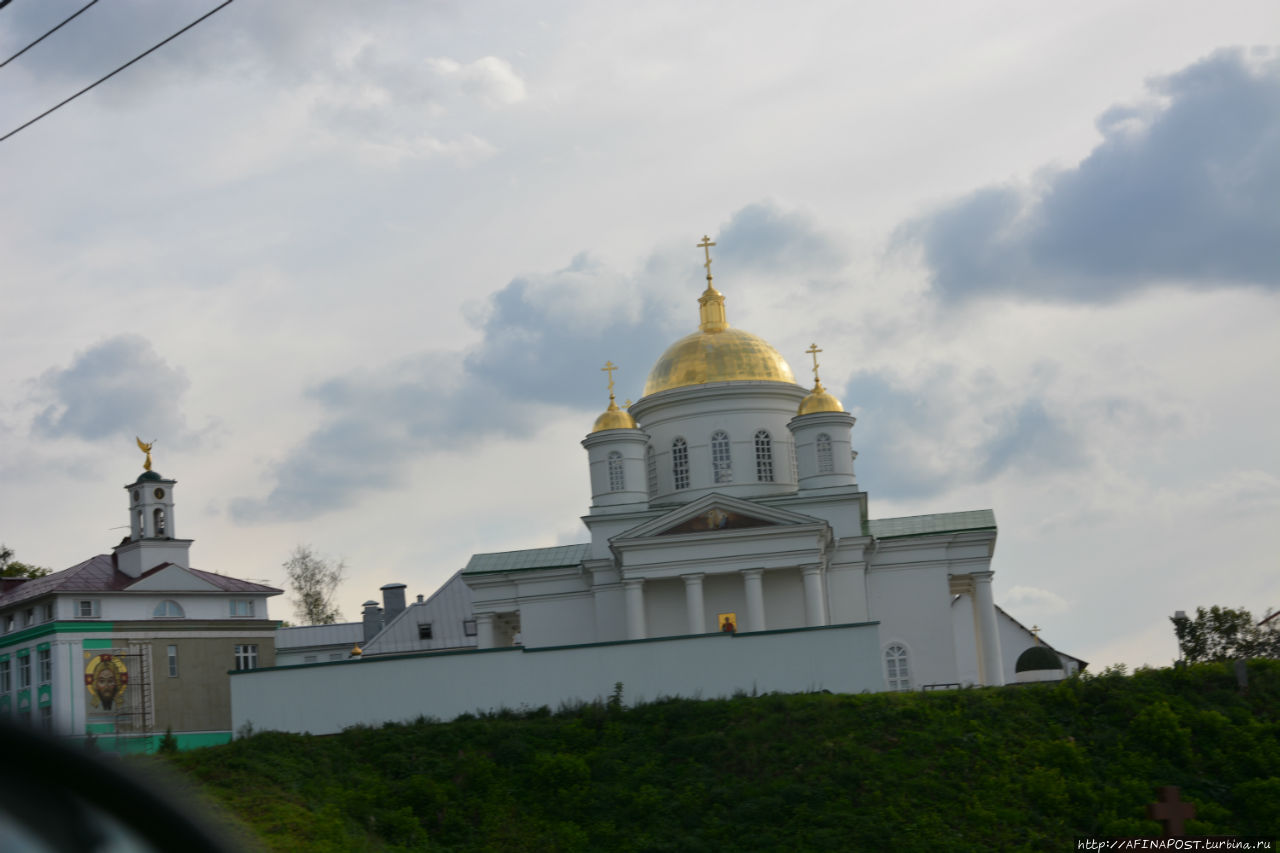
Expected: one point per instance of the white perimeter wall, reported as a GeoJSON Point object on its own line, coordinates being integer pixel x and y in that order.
{"type": "Point", "coordinates": [326, 698]}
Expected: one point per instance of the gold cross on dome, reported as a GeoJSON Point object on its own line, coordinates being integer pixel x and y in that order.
{"type": "Point", "coordinates": [813, 351]}
{"type": "Point", "coordinates": [609, 368]}
{"type": "Point", "coordinates": [705, 246]}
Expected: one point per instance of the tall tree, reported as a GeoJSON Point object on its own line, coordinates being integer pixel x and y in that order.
{"type": "Point", "coordinates": [1224, 633]}
{"type": "Point", "coordinates": [11, 568]}
{"type": "Point", "coordinates": [314, 580]}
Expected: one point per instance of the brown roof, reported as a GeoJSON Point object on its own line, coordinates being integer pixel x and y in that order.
{"type": "Point", "coordinates": [99, 574]}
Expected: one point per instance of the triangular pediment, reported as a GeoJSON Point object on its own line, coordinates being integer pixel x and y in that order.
{"type": "Point", "coordinates": [713, 513]}
{"type": "Point", "coordinates": [172, 578]}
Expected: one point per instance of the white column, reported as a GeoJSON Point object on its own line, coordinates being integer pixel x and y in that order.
{"type": "Point", "coordinates": [992, 666]}
{"type": "Point", "coordinates": [693, 603]}
{"type": "Point", "coordinates": [753, 585]}
{"type": "Point", "coordinates": [814, 612]}
{"type": "Point", "coordinates": [484, 630]}
{"type": "Point", "coordinates": [634, 591]}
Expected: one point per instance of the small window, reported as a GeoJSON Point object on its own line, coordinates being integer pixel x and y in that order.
{"type": "Point", "coordinates": [721, 460]}
{"type": "Point", "coordinates": [87, 609]}
{"type": "Point", "coordinates": [764, 457]}
{"type": "Point", "coordinates": [469, 627]}
{"type": "Point", "coordinates": [6, 678]}
{"type": "Point", "coordinates": [424, 631]}
{"type": "Point", "coordinates": [651, 469]}
{"type": "Point", "coordinates": [896, 669]}
{"type": "Point", "coordinates": [617, 480]}
{"type": "Point", "coordinates": [28, 617]}
{"type": "Point", "coordinates": [48, 611]}
{"type": "Point", "coordinates": [8, 624]}
{"type": "Point", "coordinates": [826, 465]}
{"type": "Point", "coordinates": [246, 657]}
{"type": "Point", "coordinates": [169, 609]}
{"type": "Point", "coordinates": [309, 658]}
{"type": "Point", "coordinates": [241, 607]}
{"type": "Point", "coordinates": [24, 671]}
{"type": "Point", "coordinates": [44, 663]}
{"type": "Point", "coordinates": [173, 661]}
{"type": "Point", "coordinates": [680, 463]}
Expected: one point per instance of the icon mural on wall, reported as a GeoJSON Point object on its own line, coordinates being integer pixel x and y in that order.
{"type": "Point", "coordinates": [106, 678]}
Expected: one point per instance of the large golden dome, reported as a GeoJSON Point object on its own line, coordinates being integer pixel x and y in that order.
{"type": "Point", "coordinates": [716, 353]}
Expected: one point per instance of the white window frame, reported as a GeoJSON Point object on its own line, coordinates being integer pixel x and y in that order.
{"type": "Point", "coordinates": [168, 614]}
{"type": "Point", "coordinates": [897, 667]}
{"type": "Point", "coordinates": [24, 671]}
{"type": "Point", "coordinates": [242, 604]}
{"type": "Point", "coordinates": [91, 611]}
{"type": "Point", "coordinates": [44, 665]}
{"type": "Point", "coordinates": [764, 456]}
{"type": "Point", "coordinates": [47, 611]}
{"type": "Point", "coordinates": [171, 653]}
{"type": "Point", "coordinates": [680, 463]}
{"type": "Point", "coordinates": [246, 656]}
{"type": "Point", "coordinates": [617, 476]}
{"type": "Point", "coordinates": [721, 457]}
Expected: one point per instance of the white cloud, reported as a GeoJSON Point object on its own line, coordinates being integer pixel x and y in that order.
{"type": "Point", "coordinates": [489, 78]}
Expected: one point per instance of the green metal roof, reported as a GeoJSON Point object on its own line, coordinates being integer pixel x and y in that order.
{"type": "Point", "coordinates": [923, 525]}
{"type": "Point", "coordinates": [533, 558]}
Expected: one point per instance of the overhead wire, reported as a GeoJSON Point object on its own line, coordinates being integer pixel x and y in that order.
{"type": "Point", "coordinates": [46, 35]}
{"type": "Point", "coordinates": [104, 79]}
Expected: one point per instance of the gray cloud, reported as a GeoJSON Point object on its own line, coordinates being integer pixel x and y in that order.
{"type": "Point", "coordinates": [544, 338]}
{"type": "Point", "coordinates": [1182, 189]}
{"type": "Point", "coordinates": [117, 388]}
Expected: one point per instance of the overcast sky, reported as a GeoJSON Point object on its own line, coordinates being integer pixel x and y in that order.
{"type": "Point", "coordinates": [355, 268]}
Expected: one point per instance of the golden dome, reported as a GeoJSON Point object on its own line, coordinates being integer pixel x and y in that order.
{"type": "Point", "coordinates": [819, 400]}
{"type": "Point", "coordinates": [614, 418]}
{"type": "Point", "coordinates": [716, 353]}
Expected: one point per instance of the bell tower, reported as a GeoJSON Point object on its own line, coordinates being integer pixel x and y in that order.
{"type": "Point", "coordinates": [152, 537]}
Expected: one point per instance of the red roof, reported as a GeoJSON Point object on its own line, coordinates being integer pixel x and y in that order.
{"type": "Point", "coordinates": [99, 574]}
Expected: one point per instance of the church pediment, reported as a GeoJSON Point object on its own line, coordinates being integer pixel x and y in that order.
{"type": "Point", "coordinates": [712, 513]}
{"type": "Point", "coordinates": [172, 578]}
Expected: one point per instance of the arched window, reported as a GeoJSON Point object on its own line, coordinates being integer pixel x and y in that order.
{"type": "Point", "coordinates": [764, 457]}
{"type": "Point", "coordinates": [169, 609]}
{"type": "Point", "coordinates": [896, 669]}
{"type": "Point", "coordinates": [651, 469]}
{"type": "Point", "coordinates": [680, 463]}
{"type": "Point", "coordinates": [159, 519]}
{"type": "Point", "coordinates": [721, 463]}
{"type": "Point", "coordinates": [617, 482]}
{"type": "Point", "coordinates": [826, 464]}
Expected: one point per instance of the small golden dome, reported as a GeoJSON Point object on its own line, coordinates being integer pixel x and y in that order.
{"type": "Point", "coordinates": [819, 400]}
{"type": "Point", "coordinates": [614, 418]}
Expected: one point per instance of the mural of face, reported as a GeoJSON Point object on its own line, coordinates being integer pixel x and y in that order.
{"type": "Point", "coordinates": [106, 684]}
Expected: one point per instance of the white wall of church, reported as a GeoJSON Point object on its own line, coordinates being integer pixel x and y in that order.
{"type": "Point", "coordinates": [557, 621]}
{"type": "Point", "coordinates": [327, 698]}
{"type": "Point", "coordinates": [665, 612]}
{"type": "Point", "coordinates": [913, 608]}
{"type": "Point", "coordinates": [784, 599]}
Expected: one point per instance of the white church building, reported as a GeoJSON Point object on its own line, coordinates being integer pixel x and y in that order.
{"type": "Point", "coordinates": [731, 549]}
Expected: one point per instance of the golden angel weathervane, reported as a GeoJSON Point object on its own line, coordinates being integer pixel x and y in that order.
{"type": "Point", "coordinates": [145, 447]}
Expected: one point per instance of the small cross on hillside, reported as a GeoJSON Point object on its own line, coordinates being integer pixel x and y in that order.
{"type": "Point", "coordinates": [1170, 811]}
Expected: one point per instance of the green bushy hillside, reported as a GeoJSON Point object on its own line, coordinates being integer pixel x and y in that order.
{"type": "Point", "coordinates": [1015, 768]}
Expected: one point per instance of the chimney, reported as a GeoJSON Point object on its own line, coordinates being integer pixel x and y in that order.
{"type": "Point", "coordinates": [419, 598]}
{"type": "Point", "coordinates": [372, 620]}
{"type": "Point", "coordinates": [392, 600]}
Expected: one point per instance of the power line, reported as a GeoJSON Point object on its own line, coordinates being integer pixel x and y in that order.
{"type": "Point", "coordinates": [46, 35]}
{"type": "Point", "coordinates": [118, 70]}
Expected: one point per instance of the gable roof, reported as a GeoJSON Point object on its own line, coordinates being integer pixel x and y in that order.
{"type": "Point", "coordinates": [99, 574]}
{"type": "Point", "coordinates": [560, 556]}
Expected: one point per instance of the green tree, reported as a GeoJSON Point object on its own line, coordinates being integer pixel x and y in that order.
{"type": "Point", "coordinates": [1224, 633]}
{"type": "Point", "coordinates": [314, 580]}
{"type": "Point", "coordinates": [11, 568]}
